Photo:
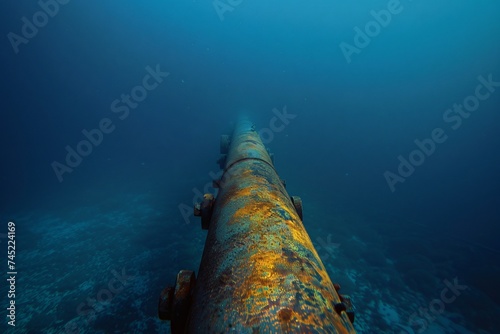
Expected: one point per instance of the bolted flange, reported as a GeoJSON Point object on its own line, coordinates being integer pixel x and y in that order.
{"type": "Point", "coordinates": [165, 303]}
{"type": "Point", "coordinates": [175, 301]}
{"type": "Point", "coordinates": [350, 310]}
{"type": "Point", "coordinates": [297, 203]}
{"type": "Point", "coordinates": [345, 304]}
{"type": "Point", "coordinates": [204, 210]}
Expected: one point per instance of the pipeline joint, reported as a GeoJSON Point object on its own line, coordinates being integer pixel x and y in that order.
{"type": "Point", "coordinates": [345, 305]}
{"type": "Point", "coordinates": [297, 204]}
{"type": "Point", "coordinates": [204, 210]}
{"type": "Point", "coordinates": [175, 302]}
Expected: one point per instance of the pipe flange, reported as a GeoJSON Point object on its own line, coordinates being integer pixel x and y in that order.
{"type": "Point", "coordinates": [297, 203]}
{"type": "Point", "coordinates": [205, 209]}
{"type": "Point", "coordinates": [165, 303]}
{"type": "Point", "coordinates": [184, 287]}
{"type": "Point", "coordinates": [175, 301]}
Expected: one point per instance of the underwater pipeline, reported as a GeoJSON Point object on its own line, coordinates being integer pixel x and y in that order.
{"type": "Point", "coordinates": [259, 272]}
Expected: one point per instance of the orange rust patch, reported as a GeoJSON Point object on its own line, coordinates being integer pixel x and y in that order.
{"type": "Point", "coordinates": [285, 315]}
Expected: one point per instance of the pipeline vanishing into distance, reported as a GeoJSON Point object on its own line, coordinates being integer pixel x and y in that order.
{"type": "Point", "coordinates": [259, 272]}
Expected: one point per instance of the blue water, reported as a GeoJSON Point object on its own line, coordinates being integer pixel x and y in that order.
{"type": "Point", "coordinates": [389, 114]}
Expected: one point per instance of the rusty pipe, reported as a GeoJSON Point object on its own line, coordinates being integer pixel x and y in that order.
{"type": "Point", "coordinates": [260, 272]}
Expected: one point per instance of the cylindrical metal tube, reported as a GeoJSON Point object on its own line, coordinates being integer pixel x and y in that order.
{"type": "Point", "coordinates": [260, 272]}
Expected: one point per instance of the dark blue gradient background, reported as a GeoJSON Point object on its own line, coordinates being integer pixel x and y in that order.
{"type": "Point", "coordinates": [353, 121]}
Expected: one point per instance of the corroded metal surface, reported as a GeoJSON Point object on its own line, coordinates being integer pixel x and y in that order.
{"type": "Point", "coordinates": [260, 272]}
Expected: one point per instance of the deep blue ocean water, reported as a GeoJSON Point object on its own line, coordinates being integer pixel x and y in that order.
{"type": "Point", "coordinates": [382, 115]}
